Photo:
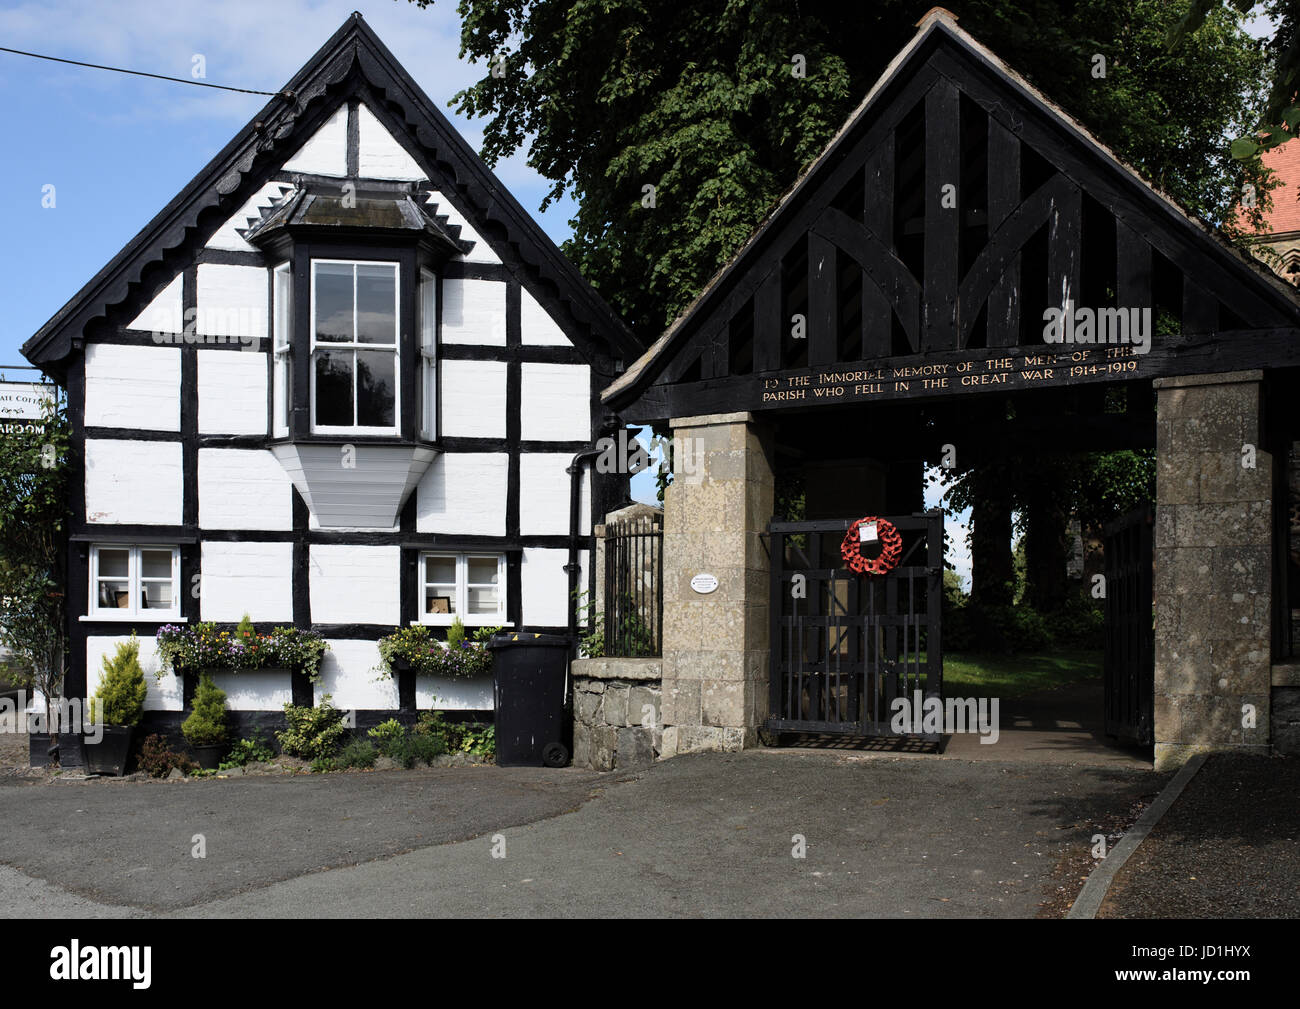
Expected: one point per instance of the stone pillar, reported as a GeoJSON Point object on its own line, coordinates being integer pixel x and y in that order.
{"type": "Point", "coordinates": [1213, 576]}
{"type": "Point", "coordinates": [715, 649]}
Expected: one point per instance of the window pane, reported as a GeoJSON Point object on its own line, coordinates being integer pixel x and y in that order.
{"type": "Point", "coordinates": [283, 306]}
{"type": "Point", "coordinates": [156, 564]}
{"type": "Point", "coordinates": [114, 595]}
{"type": "Point", "coordinates": [156, 595]}
{"type": "Point", "coordinates": [483, 570]}
{"type": "Point", "coordinates": [113, 563]}
{"type": "Point", "coordinates": [334, 387]}
{"type": "Point", "coordinates": [376, 388]}
{"type": "Point", "coordinates": [333, 301]}
{"type": "Point", "coordinates": [428, 316]}
{"type": "Point", "coordinates": [482, 600]}
{"type": "Point", "coordinates": [377, 304]}
{"type": "Point", "coordinates": [280, 393]}
{"type": "Point", "coordinates": [440, 600]}
{"type": "Point", "coordinates": [440, 570]}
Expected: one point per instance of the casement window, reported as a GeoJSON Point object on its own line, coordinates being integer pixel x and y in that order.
{"type": "Point", "coordinates": [428, 356]}
{"type": "Point", "coordinates": [354, 347]}
{"type": "Point", "coordinates": [282, 337]}
{"type": "Point", "coordinates": [135, 581]}
{"type": "Point", "coordinates": [470, 586]}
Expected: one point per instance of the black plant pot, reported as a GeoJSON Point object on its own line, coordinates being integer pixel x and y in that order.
{"type": "Point", "coordinates": [109, 755]}
{"type": "Point", "coordinates": [38, 750]}
{"type": "Point", "coordinates": [209, 755]}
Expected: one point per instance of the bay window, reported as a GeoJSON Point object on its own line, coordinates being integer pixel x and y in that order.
{"type": "Point", "coordinates": [355, 354]}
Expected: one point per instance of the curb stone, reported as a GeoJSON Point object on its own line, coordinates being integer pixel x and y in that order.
{"type": "Point", "coordinates": [1098, 883]}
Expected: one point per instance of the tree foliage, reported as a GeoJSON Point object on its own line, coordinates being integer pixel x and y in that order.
{"type": "Point", "coordinates": [33, 513]}
{"type": "Point", "coordinates": [701, 101]}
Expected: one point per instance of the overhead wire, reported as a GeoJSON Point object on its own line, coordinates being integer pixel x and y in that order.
{"type": "Point", "coordinates": [142, 73]}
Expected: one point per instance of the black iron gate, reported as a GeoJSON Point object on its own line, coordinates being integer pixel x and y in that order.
{"type": "Point", "coordinates": [1130, 635]}
{"type": "Point", "coordinates": [845, 646]}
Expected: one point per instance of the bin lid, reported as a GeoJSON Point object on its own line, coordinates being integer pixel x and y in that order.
{"type": "Point", "coordinates": [525, 639]}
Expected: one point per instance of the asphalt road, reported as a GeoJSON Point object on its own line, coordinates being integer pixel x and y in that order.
{"type": "Point", "coordinates": [709, 834]}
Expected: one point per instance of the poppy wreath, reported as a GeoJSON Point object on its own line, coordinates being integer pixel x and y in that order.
{"type": "Point", "coordinates": [891, 548]}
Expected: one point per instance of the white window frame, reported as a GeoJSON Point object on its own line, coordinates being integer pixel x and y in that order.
{"type": "Point", "coordinates": [497, 619]}
{"type": "Point", "coordinates": [134, 583]}
{"type": "Point", "coordinates": [281, 340]}
{"type": "Point", "coordinates": [428, 309]}
{"type": "Point", "coordinates": [354, 346]}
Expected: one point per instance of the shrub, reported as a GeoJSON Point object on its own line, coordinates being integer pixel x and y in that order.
{"type": "Point", "coordinates": [413, 748]}
{"type": "Point", "coordinates": [386, 732]}
{"type": "Point", "coordinates": [121, 693]}
{"type": "Point", "coordinates": [1080, 623]}
{"type": "Point", "coordinates": [313, 733]}
{"type": "Point", "coordinates": [248, 751]}
{"type": "Point", "coordinates": [322, 764]}
{"type": "Point", "coordinates": [357, 753]}
{"type": "Point", "coordinates": [206, 724]}
{"type": "Point", "coordinates": [157, 760]}
{"type": "Point", "coordinates": [456, 737]}
{"type": "Point", "coordinates": [996, 629]}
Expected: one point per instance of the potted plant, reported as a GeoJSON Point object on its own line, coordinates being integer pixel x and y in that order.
{"type": "Point", "coordinates": [205, 729]}
{"type": "Point", "coordinates": [115, 710]}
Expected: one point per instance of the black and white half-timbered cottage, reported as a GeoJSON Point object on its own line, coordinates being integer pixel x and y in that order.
{"type": "Point", "coordinates": [339, 382]}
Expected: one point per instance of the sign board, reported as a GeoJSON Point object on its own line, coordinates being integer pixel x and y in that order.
{"type": "Point", "coordinates": [704, 583]}
{"type": "Point", "coordinates": [23, 403]}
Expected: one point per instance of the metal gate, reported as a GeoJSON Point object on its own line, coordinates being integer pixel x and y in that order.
{"type": "Point", "coordinates": [845, 646]}
{"type": "Point", "coordinates": [1130, 634]}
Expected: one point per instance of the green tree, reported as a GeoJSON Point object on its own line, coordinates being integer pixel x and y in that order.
{"type": "Point", "coordinates": [33, 514]}
{"type": "Point", "coordinates": [119, 698]}
{"type": "Point", "coordinates": [206, 724]}
{"type": "Point", "coordinates": [702, 102]}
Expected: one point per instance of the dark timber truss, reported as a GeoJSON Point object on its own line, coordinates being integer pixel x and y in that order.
{"type": "Point", "coordinates": [921, 250]}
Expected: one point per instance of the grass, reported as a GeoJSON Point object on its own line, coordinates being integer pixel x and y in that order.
{"type": "Point", "coordinates": [1005, 676]}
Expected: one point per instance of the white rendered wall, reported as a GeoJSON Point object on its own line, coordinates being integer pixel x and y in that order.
{"type": "Point", "coordinates": [326, 151]}
{"type": "Point", "coordinates": [556, 402]}
{"type": "Point", "coordinates": [165, 314]}
{"type": "Point", "coordinates": [446, 694]}
{"type": "Point", "coordinates": [243, 489]}
{"type": "Point", "coordinates": [474, 312]}
{"type": "Point", "coordinates": [228, 235]}
{"type": "Point", "coordinates": [164, 694]}
{"type": "Point", "coordinates": [536, 327]}
{"type": "Point", "coordinates": [246, 577]}
{"type": "Point", "coordinates": [440, 206]}
{"type": "Point", "coordinates": [380, 155]}
{"type": "Point", "coordinates": [232, 392]}
{"type": "Point", "coordinates": [473, 397]}
{"type": "Point", "coordinates": [133, 387]}
{"type": "Point", "coordinates": [463, 492]}
{"type": "Point", "coordinates": [133, 482]}
{"type": "Point", "coordinates": [544, 491]}
{"type": "Point", "coordinates": [232, 301]}
{"type": "Point", "coordinates": [355, 584]}
{"type": "Point", "coordinates": [350, 675]}
{"type": "Point", "coordinates": [546, 585]}
{"type": "Point", "coordinates": [255, 689]}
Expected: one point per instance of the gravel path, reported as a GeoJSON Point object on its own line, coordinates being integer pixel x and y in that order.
{"type": "Point", "coordinates": [1228, 848]}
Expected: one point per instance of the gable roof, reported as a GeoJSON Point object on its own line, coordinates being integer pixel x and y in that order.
{"type": "Point", "coordinates": [354, 53]}
{"type": "Point", "coordinates": [937, 46]}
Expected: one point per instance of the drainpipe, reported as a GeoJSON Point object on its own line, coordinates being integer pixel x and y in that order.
{"type": "Point", "coordinates": [575, 524]}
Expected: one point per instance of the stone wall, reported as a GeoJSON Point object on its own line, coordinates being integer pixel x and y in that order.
{"type": "Point", "coordinates": [617, 713]}
{"type": "Point", "coordinates": [1213, 567]}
